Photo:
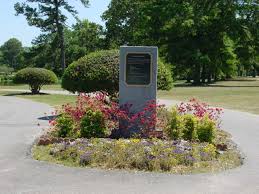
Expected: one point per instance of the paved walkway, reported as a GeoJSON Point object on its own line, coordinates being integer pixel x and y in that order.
{"type": "Point", "coordinates": [21, 174]}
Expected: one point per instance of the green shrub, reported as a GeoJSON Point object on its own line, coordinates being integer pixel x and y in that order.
{"type": "Point", "coordinates": [99, 71]}
{"type": "Point", "coordinates": [206, 130]}
{"type": "Point", "coordinates": [64, 125]}
{"type": "Point", "coordinates": [190, 127]}
{"type": "Point", "coordinates": [164, 77]}
{"type": "Point", "coordinates": [36, 78]}
{"type": "Point", "coordinates": [92, 125]}
{"type": "Point", "coordinates": [6, 79]}
{"type": "Point", "coordinates": [174, 128]}
{"type": "Point", "coordinates": [190, 123]}
{"type": "Point", "coordinates": [5, 70]}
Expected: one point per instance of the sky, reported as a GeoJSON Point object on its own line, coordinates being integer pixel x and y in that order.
{"type": "Point", "coordinates": [16, 26]}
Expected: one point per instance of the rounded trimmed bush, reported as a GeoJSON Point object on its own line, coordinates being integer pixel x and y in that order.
{"type": "Point", "coordinates": [99, 71]}
{"type": "Point", "coordinates": [36, 78]}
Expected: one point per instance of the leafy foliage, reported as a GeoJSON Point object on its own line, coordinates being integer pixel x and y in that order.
{"type": "Point", "coordinates": [98, 71]}
{"type": "Point", "coordinates": [93, 124]}
{"type": "Point", "coordinates": [206, 131]}
{"type": "Point", "coordinates": [65, 125]}
{"type": "Point", "coordinates": [164, 76]}
{"type": "Point", "coordinates": [84, 37]}
{"type": "Point", "coordinates": [5, 70]}
{"type": "Point", "coordinates": [96, 116]}
{"type": "Point", "coordinates": [11, 52]}
{"type": "Point", "coordinates": [205, 42]}
{"type": "Point", "coordinates": [193, 121]}
{"type": "Point", "coordinates": [36, 78]}
{"type": "Point", "coordinates": [49, 17]}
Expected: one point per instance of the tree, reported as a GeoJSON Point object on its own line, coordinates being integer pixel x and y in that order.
{"type": "Point", "coordinates": [199, 37]}
{"type": "Point", "coordinates": [49, 16]}
{"type": "Point", "coordinates": [121, 20]}
{"type": "Point", "coordinates": [84, 37]}
{"type": "Point", "coordinates": [44, 54]}
{"type": "Point", "coordinates": [1, 57]}
{"type": "Point", "coordinates": [11, 51]}
{"type": "Point", "coordinates": [248, 40]}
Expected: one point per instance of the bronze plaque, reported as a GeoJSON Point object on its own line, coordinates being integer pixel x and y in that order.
{"type": "Point", "coordinates": [138, 69]}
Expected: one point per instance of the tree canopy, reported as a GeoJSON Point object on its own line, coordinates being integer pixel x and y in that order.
{"type": "Point", "coordinates": [49, 16]}
{"type": "Point", "coordinates": [202, 38]}
{"type": "Point", "coordinates": [202, 41]}
{"type": "Point", "coordinates": [10, 53]}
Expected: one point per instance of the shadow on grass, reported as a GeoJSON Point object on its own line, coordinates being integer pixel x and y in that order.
{"type": "Point", "coordinates": [26, 94]}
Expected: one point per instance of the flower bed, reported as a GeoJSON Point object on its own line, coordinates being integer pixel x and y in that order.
{"type": "Point", "coordinates": [188, 140]}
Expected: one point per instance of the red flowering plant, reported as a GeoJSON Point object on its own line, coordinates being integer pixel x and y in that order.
{"type": "Point", "coordinates": [147, 119]}
{"type": "Point", "coordinates": [112, 113]}
{"type": "Point", "coordinates": [95, 102]}
{"type": "Point", "coordinates": [201, 110]}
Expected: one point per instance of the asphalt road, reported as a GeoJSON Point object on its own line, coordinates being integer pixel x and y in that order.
{"type": "Point", "coordinates": [19, 173]}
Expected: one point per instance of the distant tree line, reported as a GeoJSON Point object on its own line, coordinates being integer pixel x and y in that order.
{"type": "Point", "coordinates": [204, 41]}
{"type": "Point", "coordinates": [83, 38]}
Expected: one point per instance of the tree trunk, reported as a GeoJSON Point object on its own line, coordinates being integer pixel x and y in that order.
{"type": "Point", "coordinates": [60, 31]}
{"type": "Point", "coordinates": [254, 72]}
{"type": "Point", "coordinates": [62, 49]}
{"type": "Point", "coordinates": [203, 74]}
{"type": "Point", "coordinates": [197, 74]}
{"type": "Point", "coordinates": [209, 78]}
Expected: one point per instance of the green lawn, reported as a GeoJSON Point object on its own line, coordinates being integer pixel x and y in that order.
{"type": "Point", "coordinates": [53, 99]}
{"type": "Point", "coordinates": [26, 87]}
{"type": "Point", "coordinates": [240, 95]}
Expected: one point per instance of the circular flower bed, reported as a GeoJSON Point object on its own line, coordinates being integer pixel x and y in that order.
{"type": "Point", "coordinates": [176, 156]}
{"type": "Point", "coordinates": [188, 140]}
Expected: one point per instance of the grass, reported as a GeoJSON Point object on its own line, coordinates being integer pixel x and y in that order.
{"type": "Point", "coordinates": [240, 94]}
{"type": "Point", "coordinates": [237, 94]}
{"type": "Point", "coordinates": [51, 99]}
{"type": "Point", "coordinates": [26, 87]}
{"type": "Point", "coordinates": [42, 153]}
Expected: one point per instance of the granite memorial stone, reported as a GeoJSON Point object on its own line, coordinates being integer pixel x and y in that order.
{"type": "Point", "coordinates": [138, 76]}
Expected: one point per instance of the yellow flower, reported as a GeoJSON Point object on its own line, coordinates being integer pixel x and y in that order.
{"type": "Point", "coordinates": [135, 140]}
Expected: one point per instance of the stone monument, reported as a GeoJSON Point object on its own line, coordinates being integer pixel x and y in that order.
{"type": "Point", "coordinates": [138, 76]}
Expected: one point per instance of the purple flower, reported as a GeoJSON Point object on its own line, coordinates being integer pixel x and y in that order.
{"type": "Point", "coordinates": [204, 154]}
{"type": "Point", "coordinates": [150, 157]}
{"type": "Point", "coordinates": [178, 151]}
{"type": "Point", "coordinates": [190, 158]}
{"type": "Point", "coordinates": [85, 158]}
